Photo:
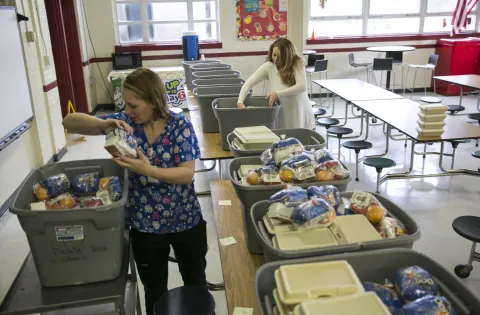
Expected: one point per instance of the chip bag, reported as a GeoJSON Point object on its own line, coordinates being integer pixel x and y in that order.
{"type": "Point", "coordinates": [267, 158]}
{"type": "Point", "coordinates": [281, 204]}
{"type": "Point", "coordinates": [428, 305]}
{"type": "Point", "coordinates": [414, 282]}
{"type": "Point", "coordinates": [335, 168]}
{"type": "Point", "coordinates": [51, 186]}
{"type": "Point", "coordinates": [323, 155]}
{"type": "Point", "coordinates": [282, 149]}
{"type": "Point", "coordinates": [329, 193]}
{"type": "Point", "coordinates": [114, 188]}
{"type": "Point", "coordinates": [301, 166]}
{"type": "Point", "coordinates": [391, 228]}
{"type": "Point", "coordinates": [86, 183]}
{"type": "Point", "coordinates": [313, 213]}
{"type": "Point", "coordinates": [386, 293]}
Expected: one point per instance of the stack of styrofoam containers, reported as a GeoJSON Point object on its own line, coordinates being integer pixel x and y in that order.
{"type": "Point", "coordinates": [302, 289]}
{"type": "Point", "coordinates": [431, 120]}
{"type": "Point", "coordinates": [254, 138]}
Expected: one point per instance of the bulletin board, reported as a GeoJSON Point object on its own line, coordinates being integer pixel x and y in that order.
{"type": "Point", "coordinates": [261, 19]}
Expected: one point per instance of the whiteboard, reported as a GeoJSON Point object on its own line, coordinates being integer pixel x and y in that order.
{"type": "Point", "coordinates": [15, 101]}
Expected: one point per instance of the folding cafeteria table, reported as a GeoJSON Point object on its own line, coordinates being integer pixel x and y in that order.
{"type": "Point", "coordinates": [471, 81]}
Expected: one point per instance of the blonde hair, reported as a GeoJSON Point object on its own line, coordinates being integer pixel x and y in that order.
{"type": "Point", "coordinates": [148, 87]}
{"type": "Point", "coordinates": [289, 58]}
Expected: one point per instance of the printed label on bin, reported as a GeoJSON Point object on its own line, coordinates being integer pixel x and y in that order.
{"type": "Point", "coordinates": [69, 233]}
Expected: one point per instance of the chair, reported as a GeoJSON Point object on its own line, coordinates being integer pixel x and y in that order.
{"type": "Point", "coordinates": [455, 144]}
{"type": "Point", "coordinates": [354, 65]}
{"type": "Point", "coordinates": [327, 123]}
{"type": "Point", "coordinates": [430, 65]}
{"type": "Point", "coordinates": [320, 67]}
{"type": "Point", "coordinates": [476, 117]}
{"type": "Point", "coordinates": [186, 300]}
{"type": "Point", "coordinates": [382, 64]}
{"type": "Point", "coordinates": [339, 132]}
{"type": "Point", "coordinates": [467, 227]}
{"type": "Point", "coordinates": [379, 164]}
{"type": "Point", "coordinates": [357, 145]}
{"type": "Point", "coordinates": [313, 58]}
{"type": "Point", "coordinates": [397, 57]}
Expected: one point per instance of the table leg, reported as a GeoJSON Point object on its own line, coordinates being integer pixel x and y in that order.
{"type": "Point", "coordinates": [478, 102]}
{"type": "Point", "coordinates": [206, 193]}
{"type": "Point", "coordinates": [387, 85]}
{"type": "Point", "coordinates": [461, 95]}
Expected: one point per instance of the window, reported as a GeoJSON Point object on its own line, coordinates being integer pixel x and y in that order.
{"type": "Point", "coordinates": [383, 17]}
{"type": "Point", "coordinates": [142, 21]}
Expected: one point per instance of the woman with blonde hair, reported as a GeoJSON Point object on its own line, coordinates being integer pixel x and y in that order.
{"type": "Point", "coordinates": [285, 72]}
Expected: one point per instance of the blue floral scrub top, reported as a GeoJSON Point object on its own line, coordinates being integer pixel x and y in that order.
{"type": "Point", "coordinates": [159, 207]}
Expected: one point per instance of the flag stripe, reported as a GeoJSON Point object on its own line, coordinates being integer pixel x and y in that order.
{"type": "Point", "coordinates": [460, 15]}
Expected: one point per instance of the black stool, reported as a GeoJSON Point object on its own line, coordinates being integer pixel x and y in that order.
{"type": "Point", "coordinates": [455, 144]}
{"type": "Point", "coordinates": [357, 146]}
{"type": "Point", "coordinates": [339, 132]}
{"type": "Point", "coordinates": [318, 112]}
{"type": "Point", "coordinates": [467, 227]}
{"type": "Point", "coordinates": [187, 300]}
{"type": "Point", "coordinates": [327, 123]}
{"type": "Point", "coordinates": [430, 99]}
{"type": "Point", "coordinates": [453, 109]}
{"type": "Point", "coordinates": [379, 164]}
{"type": "Point", "coordinates": [476, 117]}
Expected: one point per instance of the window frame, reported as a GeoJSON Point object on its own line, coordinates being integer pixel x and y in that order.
{"type": "Point", "coordinates": [365, 16]}
{"type": "Point", "coordinates": [145, 22]}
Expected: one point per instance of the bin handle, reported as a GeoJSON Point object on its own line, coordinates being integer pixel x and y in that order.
{"type": "Point", "coordinates": [268, 305]}
{"type": "Point", "coordinates": [315, 140]}
{"type": "Point", "coordinates": [263, 233]}
{"type": "Point", "coordinates": [235, 177]}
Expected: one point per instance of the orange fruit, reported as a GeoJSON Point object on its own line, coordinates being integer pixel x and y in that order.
{"type": "Point", "coordinates": [253, 178]}
{"type": "Point", "coordinates": [323, 176]}
{"type": "Point", "coordinates": [286, 175]}
{"type": "Point", "coordinates": [375, 214]}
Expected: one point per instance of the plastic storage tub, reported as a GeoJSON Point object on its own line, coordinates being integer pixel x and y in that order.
{"type": "Point", "coordinates": [97, 252]}
{"type": "Point", "coordinates": [271, 253]}
{"type": "Point", "coordinates": [188, 70]}
{"type": "Point", "coordinates": [249, 195]}
{"type": "Point", "coordinates": [375, 266]}
{"type": "Point", "coordinates": [213, 82]}
{"type": "Point", "coordinates": [309, 138]}
{"type": "Point", "coordinates": [215, 74]}
{"type": "Point", "coordinates": [229, 116]}
{"type": "Point", "coordinates": [205, 97]}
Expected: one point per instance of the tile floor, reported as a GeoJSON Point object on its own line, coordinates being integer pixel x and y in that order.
{"type": "Point", "coordinates": [433, 202]}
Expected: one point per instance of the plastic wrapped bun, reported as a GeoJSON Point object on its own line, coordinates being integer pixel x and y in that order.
{"type": "Point", "coordinates": [301, 166]}
{"type": "Point", "coordinates": [329, 193]}
{"type": "Point", "coordinates": [338, 172]}
{"type": "Point", "coordinates": [323, 155]}
{"type": "Point", "coordinates": [267, 158]}
{"type": "Point", "coordinates": [86, 183]}
{"type": "Point", "coordinates": [414, 282]}
{"type": "Point", "coordinates": [429, 305]}
{"type": "Point", "coordinates": [61, 202]}
{"type": "Point", "coordinates": [114, 188]}
{"type": "Point", "coordinates": [281, 203]}
{"type": "Point", "coordinates": [386, 294]}
{"type": "Point", "coordinates": [313, 213]}
{"type": "Point", "coordinates": [282, 149]}
{"type": "Point", "coordinates": [54, 186]}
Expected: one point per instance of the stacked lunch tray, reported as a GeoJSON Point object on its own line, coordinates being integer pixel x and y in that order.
{"type": "Point", "coordinates": [254, 138]}
{"type": "Point", "coordinates": [431, 120]}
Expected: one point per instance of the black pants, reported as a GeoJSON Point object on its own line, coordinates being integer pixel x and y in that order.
{"type": "Point", "coordinates": [151, 253]}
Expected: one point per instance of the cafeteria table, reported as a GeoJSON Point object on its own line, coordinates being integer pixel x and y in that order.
{"type": "Point", "coordinates": [471, 81]}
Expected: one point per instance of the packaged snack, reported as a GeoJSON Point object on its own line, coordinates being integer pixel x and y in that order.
{"type": "Point", "coordinates": [329, 193]}
{"type": "Point", "coordinates": [253, 178]}
{"type": "Point", "coordinates": [428, 305]}
{"type": "Point", "coordinates": [391, 228]}
{"type": "Point", "coordinates": [323, 155]}
{"type": "Point", "coordinates": [63, 201]}
{"type": "Point", "coordinates": [313, 213]}
{"type": "Point", "coordinates": [104, 196]}
{"type": "Point", "coordinates": [386, 294]}
{"type": "Point", "coordinates": [334, 167]}
{"type": "Point", "coordinates": [301, 165]}
{"type": "Point", "coordinates": [38, 206]}
{"type": "Point", "coordinates": [120, 143]}
{"type": "Point", "coordinates": [414, 282]}
{"type": "Point", "coordinates": [282, 149]}
{"type": "Point", "coordinates": [91, 202]}
{"type": "Point", "coordinates": [103, 183]}
{"type": "Point", "coordinates": [282, 203]}
{"type": "Point", "coordinates": [114, 188]}
{"type": "Point", "coordinates": [365, 203]}
{"type": "Point", "coordinates": [51, 186]}
{"type": "Point", "coordinates": [267, 158]}
{"type": "Point", "coordinates": [269, 175]}
{"type": "Point", "coordinates": [86, 183]}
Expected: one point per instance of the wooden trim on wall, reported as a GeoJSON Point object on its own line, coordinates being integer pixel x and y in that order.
{"type": "Point", "coordinates": [50, 86]}
{"type": "Point", "coordinates": [163, 46]}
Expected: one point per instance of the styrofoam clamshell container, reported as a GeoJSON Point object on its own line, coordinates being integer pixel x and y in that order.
{"type": "Point", "coordinates": [375, 266]}
{"type": "Point", "coordinates": [431, 118]}
{"type": "Point", "coordinates": [249, 195]}
{"type": "Point", "coordinates": [433, 109]}
{"type": "Point", "coordinates": [431, 125]}
{"type": "Point", "coordinates": [304, 239]}
{"type": "Point", "coordinates": [260, 209]}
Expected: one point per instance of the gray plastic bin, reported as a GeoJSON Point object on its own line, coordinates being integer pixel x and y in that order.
{"type": "Point", "coordinates": [213, 82]}
{"type": "Point", "coordinates": [249, 195]}
{"type": "Point", "coordinates": [205, 97]}
{"type": "Point", "coordinates": [376, 266]}
{"type": "Point", "coordinates": [229, 116]}
{"type": "Point", "coordinates": [96, 255]}
{"type": "Point", "coordinates": [188, 70]}
{"type": "Point", "coordinates": [309, 138]}
{"type": "Point", "coordinates": [259, 209]}
{"type": "Point", "coordinates": [216, 74]}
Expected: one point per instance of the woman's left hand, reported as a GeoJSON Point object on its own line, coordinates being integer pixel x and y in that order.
{"type": "Point", "coordinates": [141, 165]}
{"type": "Point", "coordinates": [272, 97]}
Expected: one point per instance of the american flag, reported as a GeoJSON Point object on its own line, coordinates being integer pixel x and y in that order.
{"type": "Point", "coordinates": [459, 20]}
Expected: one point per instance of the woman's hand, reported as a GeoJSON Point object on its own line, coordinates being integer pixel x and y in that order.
{"type": "Point", "coordinates": [141, 165]}
{"type": "Point", "coordinates": [111, 124]}
{"type": "Point", "coordinates": [272, 97]}
{"type": "Point", "coordinates": [241, 105]}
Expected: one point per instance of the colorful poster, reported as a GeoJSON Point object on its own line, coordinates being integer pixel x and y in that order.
{"type": "Point", "coordinates": [175, 92]}
{"type": "Point", "coordinates": [268, 22]}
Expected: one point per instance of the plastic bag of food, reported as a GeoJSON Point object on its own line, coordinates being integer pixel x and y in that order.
{"type": "Point", "coordinates": [335, 170]}
{"type": "Point", "coordinates": [298, 168]}
{"type": "Point", "coordinates": [323, 155]}
{"type": "Point", "coordinates": [269, 175]}
{"type": "Point", "coordinates": [51, 187]}
{"type": "Point", "coordinates": [267, 158]}
{"type": "Point", "coordinates": [282, 149]}
{"type": "Point", "coordinates": [365, 203]}
{"type": "Point", "coordinates": [86, 183]}
{"type": "Point", "coordinates": [91, 202]}
{"type": "Point", "coordinates": [344, 208]}
{"type": "Point", "coordinates": [63, 201]}
{"type": "Point", "coordinates": [428, 305]}
{"type": "Point", "coordinates": [313, 213]}
{"type": "Point", "coordinates": [386, 293]}
{"type": "Point", "coordinates": [329, 193]}
{"type": "Point", "coordinates": [120, 143]}
{"type": "Point", "coordinates": [391, 228]}
{"type": "Point", "coordinates": [114, 187]}
{"type": "Point", "coordinates": [414, 282]}
{"type": "Point", "coordinates": [281, 204]}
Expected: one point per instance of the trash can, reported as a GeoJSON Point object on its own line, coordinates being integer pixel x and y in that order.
{"type": "Point", "coordinates": [375, 266]}
{"type": "Point", "coordinates": [215, 74]}
{"type": "Point", "coordinates": [257, 113]}
{"type": "Point", "coordinates": [213, 82]}
{"type": "Point", "coordinates": [74, 246]}
{"type": "Point", "coordinates": [206, 95]}
{"type": "Point", "coordinates": [188, 70]}
{"type": "Point", "coordinates": [249, 195]}
{"type": "Point", "coordinates": [310, 139]}
{"type": "Point", "coordinates": [208, 67]}
{"type": "Point", "coordinates": [271, 253]}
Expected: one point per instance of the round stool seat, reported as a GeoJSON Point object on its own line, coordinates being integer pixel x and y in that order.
{"type": "Point", "coordinates": [476, 154]}
{"type": "Point", "coordinates": [187, 300]}
{"type": "Point", "coordinates": [318, 112]}
{"type": "Point", "coordinates": [357, 145]}
{"type": "Point", "coordinates": [340, 131]}
{"type": "Point", "coordinates": [176, 110]}
{"type": "Point", "coordinates": [327, 122]}
{"type": "Point", "coordinates": [468, 227]}
{"type": "Point", "coordinates": [430, 99]}
{"type": "Point", "coordinates": [312, 103]}
{"type": "Point", "coordinates": [475, 116]}
{"type": "Point", "coordinates": [379, 162]}
{"type": "Point", "coordinates": [455, 108]}
{"type": "Point", "coordinates": [460, 141]}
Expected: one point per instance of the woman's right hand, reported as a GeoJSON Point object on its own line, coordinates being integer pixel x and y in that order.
{"type": "Point", "coordinates": [241, 105]}
{"type": "Point", "coordinates": [111, 124]}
